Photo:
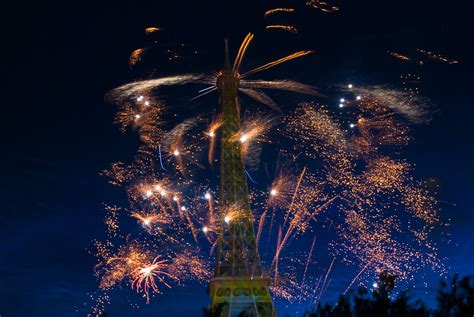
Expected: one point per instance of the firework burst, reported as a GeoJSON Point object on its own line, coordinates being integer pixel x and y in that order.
{"type": "Point", "coordinates": [145, 277]}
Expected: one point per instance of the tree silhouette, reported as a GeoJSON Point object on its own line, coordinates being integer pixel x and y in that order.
{"type": "Point", "coordinates": [376, 302]}
{"type": "Point", "coordinates": [456, 299]}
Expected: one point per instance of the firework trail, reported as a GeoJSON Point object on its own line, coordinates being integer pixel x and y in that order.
{"type": "Point", "coordinates": [279, 10]}
{"type": "Point", "coordinates": [323, 289]}
{"type": "Point", "coordinates": [242, 50]}
{"type": "Point", "coordinates": [357, 276]}
{"type": "Point", "coordinates": [310, 254]}
{"type": "Point", "coordinates": [151, 30]}
{"type": "Point", "coordinates": [399, 56]}
{"type": "Point", "coordinates": [437, 57]}
{"type": "Point", "coordinates": [288, 28]}
{"type": "Point", "coordinates": [276, 62]}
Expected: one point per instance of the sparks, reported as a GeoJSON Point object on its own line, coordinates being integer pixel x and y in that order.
{"type": "Point", "coordinates": [144, 277]}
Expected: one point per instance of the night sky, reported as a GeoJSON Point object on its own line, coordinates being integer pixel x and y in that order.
{"type": "Point", "coordinates": [58, 133]}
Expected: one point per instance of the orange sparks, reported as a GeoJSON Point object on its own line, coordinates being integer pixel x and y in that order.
{"type": "Point", "coordinates": [276, 62]}
{"type": "Point", "coordinates": [211, 134]}
{"type": "Point", "coordinates": [321, 5]}
{"type": "Point", "coordinates": [437, 57]}
{"type": "Point", "coordinates": [278, 10]}
{"type": "Point", "coordinates": [288, 28]}
{"type": "Point", "coordinates": [136, 56]}
{"type": "Point", "coordinates": [144, 277]}
{"type": "Point", "coordinates": [399, 56]}
{"type": "Point", "coordinates": [241, 52]}
{"type": "Point", "coordinates": [151, 30]}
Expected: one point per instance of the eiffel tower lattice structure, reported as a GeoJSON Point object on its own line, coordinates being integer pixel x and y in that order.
{"type": "Point", "coordinates": [239, 287]}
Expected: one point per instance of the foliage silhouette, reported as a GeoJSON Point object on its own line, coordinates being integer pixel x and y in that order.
{"type": "Point", "coordinates": [455, 299]}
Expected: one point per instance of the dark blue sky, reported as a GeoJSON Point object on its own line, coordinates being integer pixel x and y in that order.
{"type": "Point", "coordinates": [58, 134]}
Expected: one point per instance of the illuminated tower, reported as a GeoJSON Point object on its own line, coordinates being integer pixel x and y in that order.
{"type": "Point", "coordinates": [238, 287]}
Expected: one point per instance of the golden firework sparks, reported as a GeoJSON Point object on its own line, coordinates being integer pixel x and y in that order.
{"type": "Point", "coordinates": [279, 10]}
{"type": "Point", "coordinates": [145, 276]}
{"type": "Point", "coordinates": [399, 56]}
{"type": "Point", "coordinates": [136, 56]}
{"type": "Point", "coordinates": [436, 57]}
{"type": "Point", "coordinates": [151, 30]}
{"type": "Point", "coordinates": [323, 6]}
{"type": "Point", "coordinates": [211, 133]}
{"type": "Point", "coordinates": [339, 171]}
{"type": "Point", "coordinates": [288, 28]}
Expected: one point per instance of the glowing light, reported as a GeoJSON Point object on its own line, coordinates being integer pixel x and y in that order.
{"type": "Point", "coordinates": [341, 105]}
{"type": "Point", "coordinates": [176, 152]}
{"type": "Point", "coordinates": [207, 196]}
{"type": "Point", "coordinates": [140, 98]}
{"type": "Point", "coordinates": [273, 192]}
{"type": "Point", "coordinates": [227, 219]}
{"type": "Point", "coordinates": [183, 208]}
{"type": "Point", "coordinates": [163, 193]}
{"type": "Point", "coordinates": [151, 30]}
{"type": "Point", "coordinates": [205, 229]}
{"type": "Point", "coordinates": [146, 222]}
{"type": "Point", "coordinates": [358, 98]}
{"type": "Point", "coordinates": [175, 198]}
{"type": "Point", "coordinates": [147, 103]}
{"type": "Point", "coordinates": [342, 100]}
{"type": "Point", "coordinates": [212, 134]}
{"type": "Point", "coordinates": [349, 86]}
{"type": "Point", "coordinates": [137, 116]}
{"type": "Point", "coordinates": [243, 138]}
{"type": "Point", "coordinates": [375, 285]}
{"type": "Point", "coordinates": [148, 193]}
{"type": "Point", "coordinates": [158, 187]}
{"type": "Point", "coordinates": [352, 125]}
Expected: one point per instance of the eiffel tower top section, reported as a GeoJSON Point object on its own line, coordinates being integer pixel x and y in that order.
{"type": "Point", "coordinates": [237, 249]}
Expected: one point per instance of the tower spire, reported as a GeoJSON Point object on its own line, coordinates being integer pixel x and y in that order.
{"type": "Point", "coordinates": [226, 48]}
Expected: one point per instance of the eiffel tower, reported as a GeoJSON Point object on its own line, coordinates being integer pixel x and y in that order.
{"type": "Point", "coordinates": [239, 287]}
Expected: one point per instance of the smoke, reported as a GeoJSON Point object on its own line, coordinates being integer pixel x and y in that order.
{"type": "Point", "coordinates": [414, 107]}
{"type": "Point", "coordinates": [137, 88]}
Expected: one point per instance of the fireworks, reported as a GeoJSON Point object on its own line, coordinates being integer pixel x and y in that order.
{"type": "Point", "coordinates": [151, 30]}
{"type": "Point", "coordinates": [437, 57]}
{"type": "Point", "coordinates": [331, 169]}
{"type": "Point", "coordinates": [144, 277]}
{"type": "Point", "coordinates": [399, 56]}
{"type": "Point", "coordinates": [136, 56]}
{"type": "Point", "coordinates": [424, 54]}
{"type": "Point", "coordinates": [288, 28]}
{"type": "Point", "coordinates": [211, 133]}
{"type": "Point", "coordinates": [323, 6]}
{"type": "Point", "coordinates": [279, 10]}
{"type": "Point", "coordinates": [276, 62]}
